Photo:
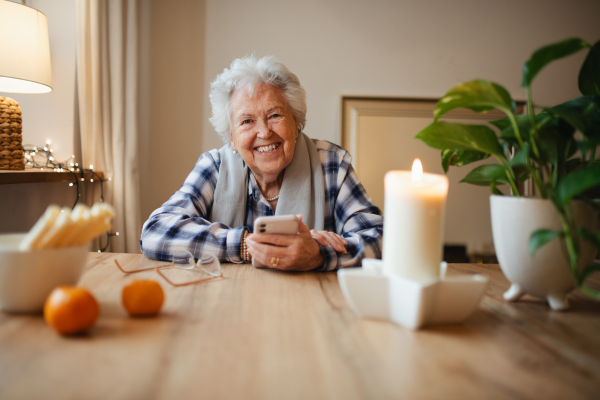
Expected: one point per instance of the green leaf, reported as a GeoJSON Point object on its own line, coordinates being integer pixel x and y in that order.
{"type": "Point", "coordinates": [521, 157]}
{"type": "Point", "coordinates": [447, 155]}
{"type": "Point", "coordinates": [583, 113]}
{"type": "Point", "coordinates": [485, 175]}
{"type": "Point", "coordinates": [507, 131]}
{"type": "Point", "coordinates": [589, 75]}
{"type": "Point", "coordinates": [480, 95]}
{"type": "Point", "coordinates": [587, 271]}
{"type": "Point", "coordinates": [555, 139]}
{"type": "Point", "coordinates": [554, 135]}
{"type": "Point", "coordinates": [541, 237]}
{"type": "Point", "coordinates": [577, 183]}
{"type": "Point", "coordinates": [503, 123]}
{"type": "Point", "coordinates": [445, 135]}
{"type": "Point", "coordinates": [458, 158]}
{"type": "Point", "coordinates": [544, 56]}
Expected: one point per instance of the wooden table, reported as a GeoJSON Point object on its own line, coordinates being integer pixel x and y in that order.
{"type": "Point", "coordinates": [264, 334]}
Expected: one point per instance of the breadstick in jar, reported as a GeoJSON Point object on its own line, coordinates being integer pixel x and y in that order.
{"type": "Point", "coordinates": [80, 218]}
{"type": "Point", "coordinates": [35, 234]}
{"type": "Point", "coordinates": [62, 226]}
{"type": "Point", "coordinates": [100, 216]}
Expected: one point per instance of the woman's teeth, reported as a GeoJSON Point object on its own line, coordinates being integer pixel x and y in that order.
{"type": "Point", "coordinates": [266, 149]}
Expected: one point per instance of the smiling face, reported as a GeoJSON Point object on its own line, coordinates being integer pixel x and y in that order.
{"type": "Point", "coordinates": [264, 131]}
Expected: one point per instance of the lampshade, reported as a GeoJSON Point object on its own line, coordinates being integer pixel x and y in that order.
{"type": "Point", "coordinates": [24, 50]}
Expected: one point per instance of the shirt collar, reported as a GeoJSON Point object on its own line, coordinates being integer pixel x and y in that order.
{"type": "Point", "coordinates": [254, 190]}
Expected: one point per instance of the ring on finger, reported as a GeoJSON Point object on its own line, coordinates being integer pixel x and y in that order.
{"type": "Point", "coordinates": [274, 261]}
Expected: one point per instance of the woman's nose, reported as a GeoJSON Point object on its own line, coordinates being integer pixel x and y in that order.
{"type": "Point", "coordinates": [264, 131]}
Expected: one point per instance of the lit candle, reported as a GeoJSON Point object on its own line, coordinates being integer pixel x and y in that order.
{"type": "Point", "coordinates": [415, 204]}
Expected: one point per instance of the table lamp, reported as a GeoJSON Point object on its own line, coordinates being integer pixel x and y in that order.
{"type": "Point", "coordinates": [24, 68]}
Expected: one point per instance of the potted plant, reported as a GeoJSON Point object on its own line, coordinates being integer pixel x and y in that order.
{"type": "Point", "coordinates": [552, 147]}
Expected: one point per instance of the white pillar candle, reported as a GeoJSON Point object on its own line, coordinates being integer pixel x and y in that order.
{"type": "Point", "coordinates": [413, 230]}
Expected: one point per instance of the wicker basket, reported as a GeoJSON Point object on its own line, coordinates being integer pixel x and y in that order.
{"type": "Point", "coordinates": [11, 141]}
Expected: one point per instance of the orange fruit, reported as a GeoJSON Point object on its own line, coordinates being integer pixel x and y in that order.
{"type": "Point", "coordinates": [71, 309]}
{"type": "Point", "coordinates": [142, 298]}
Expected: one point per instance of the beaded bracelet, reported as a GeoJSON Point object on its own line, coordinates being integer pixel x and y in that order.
{"type": "Point", "coordinates": [244, 247]}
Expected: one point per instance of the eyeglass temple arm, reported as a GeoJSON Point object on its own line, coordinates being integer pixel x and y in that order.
{"type": "Point", "coordinates": [186, 283]}
{"type": "Point", "coordinates": [139, 270]}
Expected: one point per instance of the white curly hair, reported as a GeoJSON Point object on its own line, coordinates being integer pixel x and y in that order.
{"type": "Point", "coordinates": [248, 72]}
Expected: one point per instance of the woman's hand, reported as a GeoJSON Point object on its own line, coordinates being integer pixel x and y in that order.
{"type": "Point", "coordinates": [326, 238]}
{"type": "Point", "coordinates": [286, 252]}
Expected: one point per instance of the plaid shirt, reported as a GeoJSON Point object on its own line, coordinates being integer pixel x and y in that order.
{"type": "Point", "coordinates": [181, 224]}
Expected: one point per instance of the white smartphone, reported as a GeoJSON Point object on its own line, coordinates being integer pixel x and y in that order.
{"type": "Point", "coordinates": [277, 224]}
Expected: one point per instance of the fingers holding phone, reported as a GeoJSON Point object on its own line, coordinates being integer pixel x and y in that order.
{"type": "Point", "coordinates": [283, 242]}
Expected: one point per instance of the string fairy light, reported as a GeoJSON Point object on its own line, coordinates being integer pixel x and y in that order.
{"type": "Point", "coordinates": [42, 157]}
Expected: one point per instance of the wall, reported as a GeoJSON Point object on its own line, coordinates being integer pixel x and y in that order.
{"type": "Point", "coordinates": [402, 48]}
{"type": "Point", "coordinates": [171, 98]}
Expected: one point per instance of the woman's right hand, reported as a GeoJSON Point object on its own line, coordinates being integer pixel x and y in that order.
{"type": "Point", "coordinates": [326, 238]}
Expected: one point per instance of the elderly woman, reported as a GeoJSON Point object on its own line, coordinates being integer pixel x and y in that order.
{"type": "Point", "coordinates": [268, 166]}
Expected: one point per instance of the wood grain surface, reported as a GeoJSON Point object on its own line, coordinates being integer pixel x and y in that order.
{"type": "Point", "coordinates": [264, 334]}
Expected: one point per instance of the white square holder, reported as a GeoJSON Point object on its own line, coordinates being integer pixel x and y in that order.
{"type": "Point", "coordinates": [408, 303]}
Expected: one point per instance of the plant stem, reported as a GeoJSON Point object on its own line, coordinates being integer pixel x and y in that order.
{"type": "Point", "coordinates": [537, 174]}
{"type": "Point", "coordinates": [530, 111]}
{"type": "Point", "coordinates": [539, 183]}
{"type": "Point", "coordinates": [513, 122]}
{"type": "Point", "coordinates": [566, 216]}
{"type": "Point", "coordinates": [510, 175]}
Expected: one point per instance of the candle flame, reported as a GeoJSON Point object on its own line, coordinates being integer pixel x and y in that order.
{"type": "Point", "coordinates": [417, 171]}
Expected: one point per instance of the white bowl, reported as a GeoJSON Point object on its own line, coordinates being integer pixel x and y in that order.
{"type": "Point", "coordinates": [28, 277]}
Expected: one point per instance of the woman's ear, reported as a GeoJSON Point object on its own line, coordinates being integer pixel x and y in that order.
{"type": "Point", "coordinates": [232, 145]}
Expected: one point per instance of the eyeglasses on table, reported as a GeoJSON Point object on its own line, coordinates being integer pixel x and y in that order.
{"type": "Point", "coordinates": [208, 264]}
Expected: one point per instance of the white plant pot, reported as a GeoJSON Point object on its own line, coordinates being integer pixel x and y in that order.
{"type": "Point", "coordinates": [547, 274]}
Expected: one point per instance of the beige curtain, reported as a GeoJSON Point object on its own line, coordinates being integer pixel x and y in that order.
{"type": "Point", "coordinates": [107, 80]}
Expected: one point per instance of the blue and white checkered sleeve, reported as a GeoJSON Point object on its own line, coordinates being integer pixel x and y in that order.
{"type": "Point", "coordinates": [357, 219]}
{"type": "Point", "coordinates": [181, 224]}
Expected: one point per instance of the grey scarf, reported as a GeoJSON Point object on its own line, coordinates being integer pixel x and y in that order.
{"type": "Point", "coordinates": [302, 191]}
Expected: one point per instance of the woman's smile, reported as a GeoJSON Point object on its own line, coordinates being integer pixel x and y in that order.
{"type": "Point", "coordinates": [267, 149]}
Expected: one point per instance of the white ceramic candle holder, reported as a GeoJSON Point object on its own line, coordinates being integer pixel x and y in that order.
{"type": "Point", "coordinates": [409, 303]}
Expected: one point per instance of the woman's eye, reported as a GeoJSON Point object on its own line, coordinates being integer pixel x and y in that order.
{"type": "Point", "coordinates": [275, 115]}
{"type": "Point", "coordinates": [246, 121]}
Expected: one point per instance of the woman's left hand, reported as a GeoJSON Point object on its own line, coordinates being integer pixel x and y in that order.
{"type": "Point", "coordinates": [286, 252]}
